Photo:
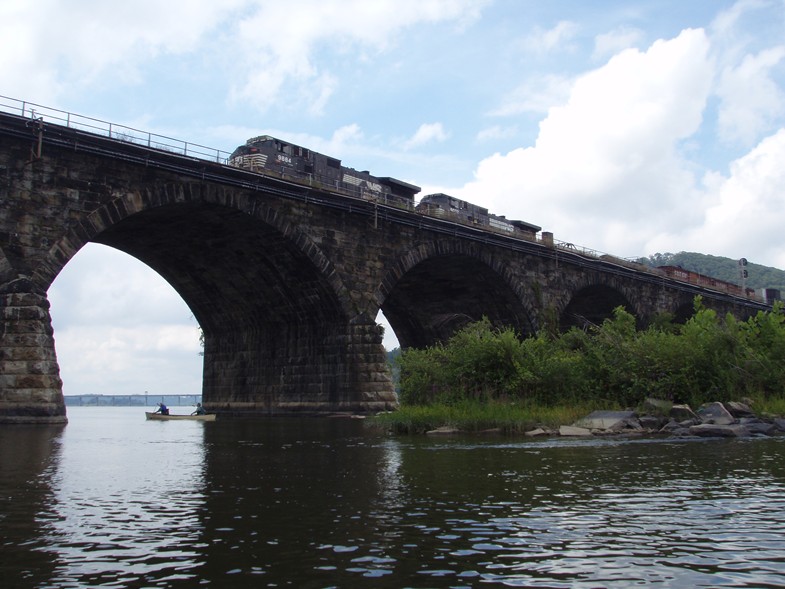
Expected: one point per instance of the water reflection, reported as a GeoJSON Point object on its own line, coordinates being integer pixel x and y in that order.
{"type": "Point", "coordinates": [119, 502]}
{"type": "Point", "coordinates": [27, 457]}
{"type": "Point", "coordinates": [125, 507]}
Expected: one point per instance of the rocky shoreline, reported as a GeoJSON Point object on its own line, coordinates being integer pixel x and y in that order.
{"type": "Point", "coordinates": [734, 419]}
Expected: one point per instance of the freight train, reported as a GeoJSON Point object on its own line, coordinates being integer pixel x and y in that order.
{"type": "Point", "coordinates": [679, 273]}
{"type": "Point", "coordinates": [274, 157]}
{"type": "Point", "coordinates": [444, 205]}
{"type": "Point", "coordinates": [271, 156]}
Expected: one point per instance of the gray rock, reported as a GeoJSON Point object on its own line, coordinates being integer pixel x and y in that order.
{"type": "Point", "coordinates": [446, 430]}
{"type": "Point", "coordinates": [676, 429]}
{"type": "Point", "coordinates": [610, 420]}
{"type": "Point", "coordinates": [651, 422]}
{"type": "Point", "coordinates": [713, 430]}
{"type": "Point", "coordinates": [758, 427]}
{"type": "Point", "coordinates": [571, 430]}
{"type": "Point", "coordinates": [670, 426]}
{"type": "Point", "coordinates": [738, 409]}
{"type": "Point", "coordinates": [682, 413]}
{"type": "Point", "coordinates": [779, 423]}
{"type": "Point", "coordinates": [715, 413]}
{"type": "Point", "coordinates": [536, 433]}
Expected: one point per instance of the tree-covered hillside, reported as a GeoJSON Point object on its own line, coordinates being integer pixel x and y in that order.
{"type": "Point", "coordinates": [726, 269]}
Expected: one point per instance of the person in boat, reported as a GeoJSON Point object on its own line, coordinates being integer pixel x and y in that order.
{"type": "Point", "coordinates": [199, 410]}
{"type": "Point", "coordinates": [162, 409]}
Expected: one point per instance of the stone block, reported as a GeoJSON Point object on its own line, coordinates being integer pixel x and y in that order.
{"type": "Point", "coordinates": [715, 413]}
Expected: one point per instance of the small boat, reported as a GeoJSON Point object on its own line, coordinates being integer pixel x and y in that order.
{"type": "Point", "coordinates": [160, 417]}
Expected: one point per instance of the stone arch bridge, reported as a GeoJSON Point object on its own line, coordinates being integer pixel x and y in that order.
{"type": "Point", "coordinates": [285, 280]}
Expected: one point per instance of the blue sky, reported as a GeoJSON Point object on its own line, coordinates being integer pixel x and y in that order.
{"type": "Point", "coordinates": [626, 127]}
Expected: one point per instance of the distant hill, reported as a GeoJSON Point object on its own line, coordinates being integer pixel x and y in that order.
{"type": "Point", "coordinates": [726, 269]}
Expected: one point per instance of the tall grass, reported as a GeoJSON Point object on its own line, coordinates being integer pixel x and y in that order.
{"type": "Point", "coordinates": [473, 416]}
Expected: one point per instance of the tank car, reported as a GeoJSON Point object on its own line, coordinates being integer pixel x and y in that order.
{"type": "Point", "coordinates": [271, 156]}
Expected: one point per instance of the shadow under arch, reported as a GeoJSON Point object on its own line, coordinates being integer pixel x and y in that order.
{"type": "Point", "coordinates": [267, 300]}
{"type": "Point", "coordinates": [439, 287]}
{"type": "Point", "coordinates": [591, 305]}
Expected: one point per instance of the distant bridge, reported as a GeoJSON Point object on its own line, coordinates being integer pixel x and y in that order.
{"type": "Point", "coordinates": [285, 280]}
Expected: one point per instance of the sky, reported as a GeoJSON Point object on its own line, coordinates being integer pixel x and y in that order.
{"type": "Point", "coordinates": [626, 127]}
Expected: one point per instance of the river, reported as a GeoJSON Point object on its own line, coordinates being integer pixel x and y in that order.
{"type": "Point", "coordinates": [111, 500]}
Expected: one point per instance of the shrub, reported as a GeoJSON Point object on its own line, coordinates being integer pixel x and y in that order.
{"type": "Point", "coordinates": [709, 358]}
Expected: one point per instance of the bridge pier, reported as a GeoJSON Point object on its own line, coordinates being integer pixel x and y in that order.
{"type": "Point", "coordinates": [30, 385]}
{"type": "Point", "coordinates": [305, 368]}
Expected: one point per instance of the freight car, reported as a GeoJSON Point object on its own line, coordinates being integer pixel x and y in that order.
{"type": "Point", "coordinates": [679, 273]}
{"type": "Point", "coordinates": [444, 205]}
{"type": "Point", "coordinates": [271, 156]}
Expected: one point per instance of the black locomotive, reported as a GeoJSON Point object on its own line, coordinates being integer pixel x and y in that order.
{"type": "Point", "coordinates": [269, 155]}
{"type": "Point", "coordinates": [274, 157]}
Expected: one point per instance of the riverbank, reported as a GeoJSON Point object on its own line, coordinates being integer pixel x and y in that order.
{"type": "Point", "coordinates": [653, 417]}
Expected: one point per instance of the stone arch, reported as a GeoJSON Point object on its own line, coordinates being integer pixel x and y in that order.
{"type": "Point", "coordinates": [281, 331]}
{"type": "Point", "coordinates": [594, 300]}
{"type": "Point", "coordinates": [131, 203]}
{"type": "Point", "coordinates": [437, 287]}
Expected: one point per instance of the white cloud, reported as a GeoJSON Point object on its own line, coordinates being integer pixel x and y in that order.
{"type": "Point", "coordinates": [536, 94]}
{"type": "Point", "coordinates": [615, 41]}
{"type": "Point", "coordinates": [747, 211]}
{"type": "Point", "coordinates": [547, 40]}
{"type": "Point", "coordinates": [751, 99]}
{"type": "Point", "coordinates": [281, 43]}
{"type": "Point", "coordinates": [57, 45]}
{"type": "Point", "coordinates": [608, 158]}
{"type": "Point", "coordinates": [496, 132]}
{"type": "Point", "coordinates": [266, 46]}
{"type": "Point", "coordinates": [116, 360]}
{"type": "Point", "coordinates": [426, 133]}
{"type": "Point", "coordinates": [120, 328]}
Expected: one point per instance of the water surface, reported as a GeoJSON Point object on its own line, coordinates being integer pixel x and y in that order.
{"type": "Point", "coordinates": [112, 500]}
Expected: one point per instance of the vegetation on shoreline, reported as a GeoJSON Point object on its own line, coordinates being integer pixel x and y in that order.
{"type": "Point", "coordinates": [489, 378]}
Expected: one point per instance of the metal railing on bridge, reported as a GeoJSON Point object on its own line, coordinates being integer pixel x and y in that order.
{"type": "Point", "coordinates": [112, 130]}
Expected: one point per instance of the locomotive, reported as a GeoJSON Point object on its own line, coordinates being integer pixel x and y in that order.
{"type": "Point", "coordinates": [444, 205]}
{"type": "Point", "coordinates": [274, 157]}
{"type": "Point", "coordinates": [268, 155]}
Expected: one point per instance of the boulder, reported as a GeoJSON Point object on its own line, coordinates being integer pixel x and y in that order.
{"type": "Point", "coordinates": [738, 409]}
{"type": "Point", "coordinates": [758, 427]}
{"type": "Point", "coordinates": [571, 430]}
{"type": "Point", "coordinates": [682, 413]}
{"type": "Point", "coordinates": [536, 433]}
{"type": "Point", "coordinates": [651, 422]}
{"type": "Point", "coordinates": [713, 430]}
{"type": "Point", "coordinates": [609, 420]}
{"type": "Point", "coordinates": [779, 423]}
{"type": "Point", "coordinates": [715, 413]}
